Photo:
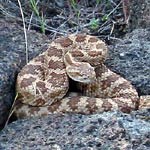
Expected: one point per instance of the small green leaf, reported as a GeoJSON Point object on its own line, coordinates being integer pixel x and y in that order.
{"type": "Point", "coordinates": [94, 23]}
{"type": "Point", "coordinates": [105, 18]}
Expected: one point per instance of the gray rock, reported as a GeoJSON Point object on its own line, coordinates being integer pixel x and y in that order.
{"type": "Point", "coordinates": [110, 130]}
{"type": "Point", "coordinates": [12, 58]}
{"type": "Point", "coordinates": [130, 58]}
{"type": "Point", "coordinates": [140, 14]}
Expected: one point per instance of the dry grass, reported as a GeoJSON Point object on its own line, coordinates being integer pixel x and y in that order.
{"type": "Point", "coordinates": [98, 17]}
{"type": "Point", "coordinates": [25, 32]}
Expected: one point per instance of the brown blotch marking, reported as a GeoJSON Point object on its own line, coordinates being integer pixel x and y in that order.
{"type": "Point", "coordinates": [99, 70]}
{"type": "Point", "coordinates": [94, 53]}
{"type": "Point", "coordinates": [56, 64]}
{"type": "Point", "coordinates": [24, 96]}
{"type": "Point", "coordinates": [132, 95]}
{"type": "Point", "coordinates": [53, 51]}
{"type": "Point", "coordinates": [31, 69]}
{"type": "Point", "coordinates": [123, 86]}
{"type": "Point", "coordinates": [18, 103]}
{"type": "Point", "coordinates": [39, 58]}
{"type": "Point", "coordinates": [109, 81]}
{"type": "Point", "coordinates": [39, 102]}
{"type": "Point", "coordinates": [77, 54]}
{"type": "Point", "coordinates": [41, 86]}
{"type": "Point", "coordinates": [80, 38]}
{"type": "Point", "coordinates": [119, 102]}
{"type": "Point", "coordinates": [93, 89]}
{"type": "Point", "coordinates": [73, 102]}
{"type": "Point", "coordinates": [93, 39]}
{"type": "Point", "coordinates": [57, 79]}
{"type": "Point", "coordinates": [64, 42]}
{"type": "Point", "coordinates": [91, 106]}
{"type": "Point", "coordinates": [123, 106]}
{"type": "Point", "coordinates": [106, 105]}
{"type": "Point", "coordinates": [27, 82]}
{"type": "Point", "coordinates": [54, 106]}
{"type": "Point", "coordinates": [55, 94]}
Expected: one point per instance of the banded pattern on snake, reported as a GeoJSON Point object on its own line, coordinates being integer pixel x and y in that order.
{"type": "Point", "coordinates": [43, 84]}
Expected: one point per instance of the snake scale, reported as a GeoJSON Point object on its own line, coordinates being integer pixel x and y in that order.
{"type": "Point", "coordinates": [43, 83]}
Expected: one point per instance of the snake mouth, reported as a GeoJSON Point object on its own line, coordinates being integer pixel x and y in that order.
{"type": "Point", "coordinates": [83, 78]}
{"type": "Point", "coordinates": [88, 81]}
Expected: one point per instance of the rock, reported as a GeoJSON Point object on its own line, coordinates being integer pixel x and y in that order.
{"type": "Point", "coordinates": [130, 58]}
{"type": "Point", "coordinates": [140, 14]}
{"type": "Point", "coordinates": [110, 130]}
{"type": "Point", "coordinates": [12, 58]}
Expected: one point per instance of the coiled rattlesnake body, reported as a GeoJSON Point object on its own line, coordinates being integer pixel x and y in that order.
{"type": "Point", "coordinates": [42, 84]}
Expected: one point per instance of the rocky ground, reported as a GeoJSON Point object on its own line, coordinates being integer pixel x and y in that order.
{"type": "Point", "coordinates": [112, 130]}
{"type": "Point", "coordinates": [12, 58]}
{"type": "Point", "coordinates": [128, 56]}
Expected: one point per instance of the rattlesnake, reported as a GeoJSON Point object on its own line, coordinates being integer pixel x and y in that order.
{"type": "Point", "coordinates": [43, 84]}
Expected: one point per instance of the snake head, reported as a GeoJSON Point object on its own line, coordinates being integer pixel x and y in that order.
{"type": "Point", "coordinates": [82, 72]}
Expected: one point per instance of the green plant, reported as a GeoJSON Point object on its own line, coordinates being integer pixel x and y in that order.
{"type": "Point", "coordinates": [105, 17]}
{"type": "Point", "coordinates": [74, 4]}
{"type": "Point", "coordinates": [42, 24]}
{"type": "Point", "coordinates": [34, 7]}
{"type": "Point", "coordinates": [41, 18]}
{"type": "Point", "coordinates": [98, 2]}
{"type": "Point", "coordinates": [94, 23]}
